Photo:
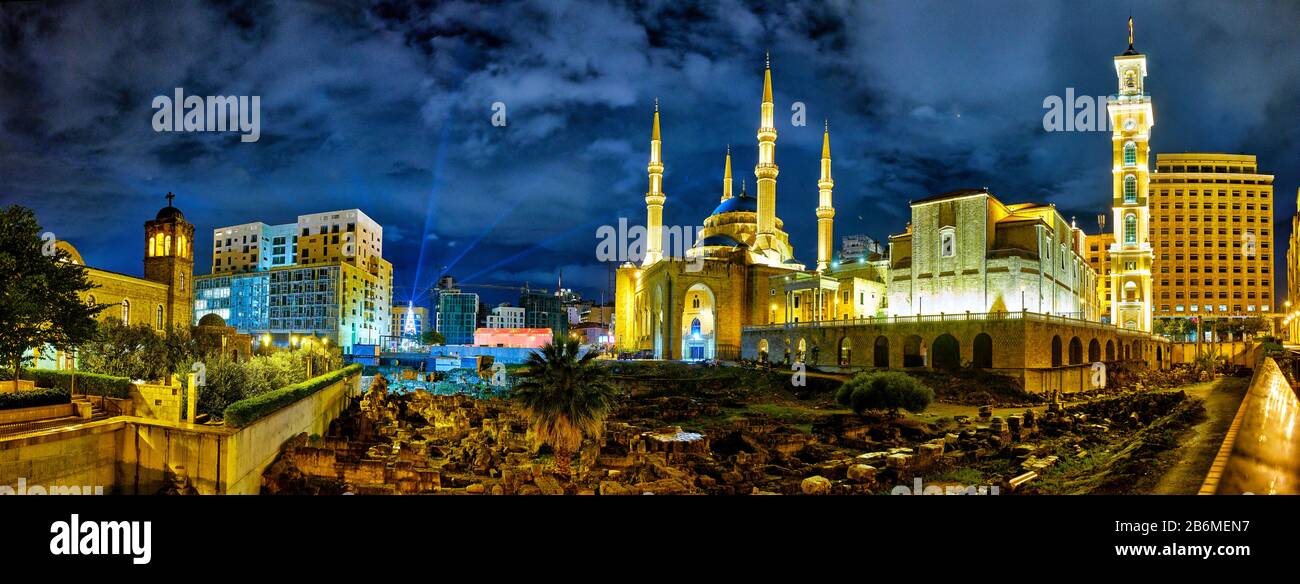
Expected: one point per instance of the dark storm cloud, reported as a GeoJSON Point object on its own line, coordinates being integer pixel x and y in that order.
{"type": "Point", "coordinates": [387, 106]}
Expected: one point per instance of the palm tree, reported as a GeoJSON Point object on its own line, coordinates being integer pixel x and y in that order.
{"type": "Point", "coordinates": [565, 397]}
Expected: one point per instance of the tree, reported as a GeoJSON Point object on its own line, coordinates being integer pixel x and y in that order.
{"type": "Point", "coordinates": [564, 397]}
{"type": "Point", "coordinates": [131, 351]}
{"type": "Point", "coordinates": [40, 293]}
{"type": "Point", "coordinates": [432, 338]}
{"type": "Point", "coordinates": [885, 390]}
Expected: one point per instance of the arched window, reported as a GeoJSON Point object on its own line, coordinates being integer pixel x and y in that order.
{"type": "Point", "coordinates": [158, 318]}
{"type": "Point", "coordinates": [182, 282]}
{"type": "Point", "coordinates": [90, 300]}
{"type": "Point", "coordinates": [126, 311]}
{"type": "Point", "coordinates": [167, 249]}
{"type": "Point", "coordinates": [1130, 189]}
{"type": "Point", "coordinates": [695, 327]}
{"type": "Point", "coordinates": [180, 246]}
{"type": "Point", "coordinates": [695, 302]}
{"type": "Point", "coordinates": [1130, 154]}
{"type": "Point", "coordinates": [1130, 228]}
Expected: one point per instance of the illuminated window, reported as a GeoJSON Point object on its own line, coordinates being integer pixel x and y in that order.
{"type": "Point", "coordinates": [1130, 189]}
{"type": "Point", "coordinates": [1130, 154]}
{"type": "Point", "coordinates": [1130, 229]}
{"type": "Point", "coordinates": [126, 311]}
{"type": "Point", "coordinates": [158, 318]}
{"type": "Point", "coordinates": [947, 242]}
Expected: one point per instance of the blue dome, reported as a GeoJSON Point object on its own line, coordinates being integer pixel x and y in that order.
{"type": "Point", "coordinates": [719, 240]}
{"type": "Point", "coordinates": [742, 204]}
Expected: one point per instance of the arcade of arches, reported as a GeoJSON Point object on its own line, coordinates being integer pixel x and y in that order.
{"type": "Point", "coordinates": [1045, 354]}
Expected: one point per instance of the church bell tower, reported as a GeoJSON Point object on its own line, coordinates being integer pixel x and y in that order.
{"type": "Point", "coordinates": [1131, 256]}
{"type": "Point", "coordinates": [169, 259]}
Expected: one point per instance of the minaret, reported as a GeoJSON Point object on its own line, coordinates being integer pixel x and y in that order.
{"type": "Point", "coordinates": [654, 198]}
{"type": "Point", "coordinates": [825, 211]}
{"type": "Point", "coordinates": [765, 171]}
{"type": "Point", "coordinates": [1131, 119]}
{"type": "Point", "coordinates": [726, 176]}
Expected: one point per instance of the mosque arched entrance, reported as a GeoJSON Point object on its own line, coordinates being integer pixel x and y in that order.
{"type": "Point", "coordinates": [699, 326]}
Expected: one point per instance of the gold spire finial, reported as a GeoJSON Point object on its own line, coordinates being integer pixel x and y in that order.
{"type": "Point", "coordinates": [654, 133]}
{"type": "Point", "coordinates": [767, 82]}
{"type": "Point", "coordinates": [826, 142]}
{"type": "Point", "coordinates": [1130, 31]}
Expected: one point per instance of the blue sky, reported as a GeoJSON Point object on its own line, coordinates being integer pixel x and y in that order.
{"type": "Point", "coordinates": [387, 106]}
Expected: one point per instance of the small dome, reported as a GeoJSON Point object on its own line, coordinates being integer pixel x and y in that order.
{"type": "Point", "coordinates": [212, 319]}
{"type": "Point", "coordinates": [742, 204]}
{"type": "Point", "coordinates": [169, 214]}
{"type": "Point", "coordinates": [719, 240]}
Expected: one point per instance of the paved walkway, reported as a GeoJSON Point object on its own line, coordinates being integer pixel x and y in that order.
{"type": "Point", "coordinates": [1261, 454]}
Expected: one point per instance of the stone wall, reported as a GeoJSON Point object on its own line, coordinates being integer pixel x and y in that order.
{"type": "Point", "coordinates": [138, 455]}
{"type": "Point", "coordinates": [157, 402]}
{"type": "Point", "coordinates": [1011, 344]}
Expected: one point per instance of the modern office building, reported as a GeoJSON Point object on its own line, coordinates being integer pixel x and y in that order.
{"type": "Point", "coordinates": [457, 316]}
{"type": "Point", "coordinates": [1212, 233]}
{"type": "Point", "coordinates": [544, 310]}
{"type": "Point", "coordinates": [322, 276]}
{"type": "Point", "coordinates": [506, 316]}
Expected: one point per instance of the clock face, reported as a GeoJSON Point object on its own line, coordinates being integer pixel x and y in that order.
{"type": "Point", "coordinates": [1130, 125]}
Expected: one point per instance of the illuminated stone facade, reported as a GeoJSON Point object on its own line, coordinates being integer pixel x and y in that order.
{"type": "Point", "coordinates": [966, 251]}
{"type": "Point", "coordinates": [1131, 257]}
{"type": "Point", "coordinates": [163, 299]}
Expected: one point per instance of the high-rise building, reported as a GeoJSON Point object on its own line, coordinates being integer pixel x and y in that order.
{"type": "Point", "coordinates": [544, 310]}
{"type": "Point", "coordinates": [1212, 233]}
{"type": "Point", "coordinates": [322, 276]}
{"type": "Point", "coordinates": [506, 316]}
{"type": "Point", "coordinates": [253, 247]}
{"type": "Point", "coordinates": [457, 316]}
{"type": "Point", "coordinates": [1131, 120]}
{"type": "Point", "coordinates": [409, 320]}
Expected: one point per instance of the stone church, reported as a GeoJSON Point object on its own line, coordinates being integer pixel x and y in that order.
{"type": "Point", "coordinates": [162, 299]}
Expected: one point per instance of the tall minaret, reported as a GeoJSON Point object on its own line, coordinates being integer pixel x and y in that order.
{"type": "Point", "coordinates": [765, 171]}
{"type": "Point", "coordinates": [654, 198]}
{"type": "Point", "coordinates": [1131, 119]}
{"type": "Point", "coordinates": [825, 211]}
{"type": "Point", "coordinates": [726, 176]}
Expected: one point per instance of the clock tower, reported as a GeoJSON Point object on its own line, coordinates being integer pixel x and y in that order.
{"type": "Point", "coordinates": [1131, 256]}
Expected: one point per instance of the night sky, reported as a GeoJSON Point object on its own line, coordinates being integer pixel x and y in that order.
{"type": "Point", "coordinates": [388, 107]}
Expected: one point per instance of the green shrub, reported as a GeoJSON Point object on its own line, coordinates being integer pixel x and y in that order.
{"type": "Point", "coordinates": [247, 411]}
{"type": "Point", "coordinates": [88, 383]}
{"type": "Point", "coordinates": [35, 397]}
{"type": "Point", "coordinates": [885, 390]}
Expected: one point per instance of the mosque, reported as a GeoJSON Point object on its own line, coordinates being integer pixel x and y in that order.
{"type": "Point", "coordinates": [966, 256]}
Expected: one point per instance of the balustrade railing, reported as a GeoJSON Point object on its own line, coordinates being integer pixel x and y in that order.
{"type": "Point", "coordinates": [1065, 318]}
